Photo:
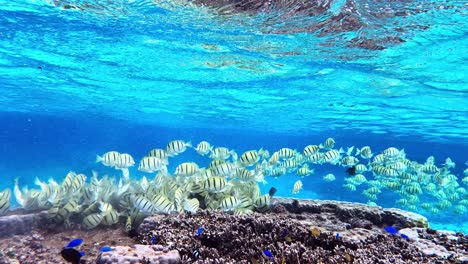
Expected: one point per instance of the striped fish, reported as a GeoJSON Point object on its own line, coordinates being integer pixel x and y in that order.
{"type": "Point", "coordinates": [144, 205]}
{"type": "Point", "coordinates": [215, 163]}
{"type": "Point", "coordinates": [158, 153]}
{"type": "Point", "coordinates": [286, 153]}
{"type": "Point", "coordinates": [360, 168]}
{"type": "Point", "coordinates": [92, 220]}
{"type": "Point", "coordinates": [245, 175]}
{"type": "Point", "coordinates": [191, 205]}
{"type": "Point", "coordinates": [274, 158]}
{"type": "Point", "coordinates": [105, 208]}
{"type": "Point", "coordinates": [329, 177]}
{"type": "Point", "coordinates": [311, 150]}
{"type": "Point", "coordinates": [221, 153]}
{"type": "Point", "coordinates": [391, 153]}
{"type": "Point", "coordinates": [4, 205]}
{"type": "Point", "coordinates": [108, 159]}
{"type": "Point", "coordinates": [186, 169]}
{"type": "Point", "coordinates": [242, 211]}
{"type": "Point", "coordinates": [5, 194]}
{"type": "Point", "coordinates": [89, 194]}
{"type": "Point", "coordinates": [178, 198]}
{"type": "Point", "coordinates": [176, 147]}
{"type": "Point", "coordinates": [129, 224]}
{"type": "Point", "coordinates": [124, 161]}
{"type": "Point", "coordinates": [67, 209]}
{"type": "Point", "coordinates": [226, 169]}
{"type": "Point", "coordinates": [77, 183]}
{"type": "Point", "coordinates": [111, 218]}
{"type": "Point", "coordinates": [249, 158]}
{"type": "Point", "coordinates": [332, 156]}
{"type": "Point", "coordinates": [152, 164]}
{"type": "Point", "coordinates": [262, 201]}
{"type": "Point", "coordinates": [297, 187]}
{"type": "Point", "coordinates": [328, 144]}
{"type": "Point", "coordinates": [203, 148]}
{"type": "Point", "coordinates": [68, 181]}
{"type": "Point", "coordinates": [92, 208]}
{"type": "Point", "coordinates": [349, 161]}
{"type": "Point", "coordinates": [162, 204]}
{"type": "Point", "coordinates": [365, 152]}
{"type": "Point", "coordinates": [304, 171]}
{"type": "Point", "coordinates": [315, 158]}
{"type": "Point", "coordinates": [229, 203]}
{"type": "Point", "coordinates": [215, 184]}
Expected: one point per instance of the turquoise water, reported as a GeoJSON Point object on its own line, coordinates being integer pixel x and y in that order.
{"type": "Point", "coordinates": [133, 75]}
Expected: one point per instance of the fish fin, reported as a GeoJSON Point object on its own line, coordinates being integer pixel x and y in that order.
{"type": "Point", "coordinates": [234, 155]}
{"type": "Point", "coordinates": [98, 158]}
{"type": "Point", "coordinates": [18, 194]}
{"type": "Point", "coordinates": [125, 174]}
{"type": "Point", "coordinates": [189, 144]}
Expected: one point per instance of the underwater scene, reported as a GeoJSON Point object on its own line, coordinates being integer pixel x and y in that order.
{"type": "Point", "coordinates": [232, 131]}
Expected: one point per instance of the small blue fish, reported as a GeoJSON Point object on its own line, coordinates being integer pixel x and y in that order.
{"type": "Point", "coordinates": [267, 253]}
{"type": "Point", "coordinates": [284, 232]}
{"type": "Point", "coordinates": [199, 231]}
{"type": "Point", "coordinates": [105, 249]}
{"type": "Point", "coordinates": [153, 240]}
{"type": "Point", "coordinates": [337, 236]}
{"type": "Point", "coordinates": [404, 236]}
{"type": "Point", "coordinates": [82, 253]}
{"type": "Point", "coordinates": [74, 243]}
{"type": "Point", "coordinates": [392, 230]}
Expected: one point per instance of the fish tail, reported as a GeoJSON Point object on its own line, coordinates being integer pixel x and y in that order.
{"type": "Point", "coordinates": [98, 158]}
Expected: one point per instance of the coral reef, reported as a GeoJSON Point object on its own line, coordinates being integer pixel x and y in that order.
{"type": "Point", "coordinates": [294, 231]}
{"type": "Point", "coordinates": [308, 235]}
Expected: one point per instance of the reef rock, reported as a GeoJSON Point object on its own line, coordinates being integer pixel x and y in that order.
{"type": "Point", "coordinates": [355, 214]}
{"type": "Point", "coordinates": [11, 225]}
{"type": "Point", "coordinates": [154, 254]}
{"type": "Point", "coordinates": [304, 231]}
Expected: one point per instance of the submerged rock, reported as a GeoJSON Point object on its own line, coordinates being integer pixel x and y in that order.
{"type": "Point", "coordinates": [139, 254]}
{"type": "Point", "coordinates": [11, 225]}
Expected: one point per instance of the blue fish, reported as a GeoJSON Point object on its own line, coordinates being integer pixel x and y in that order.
{"type": "Point", "coordinates": [199, 231]}
{"type": "Point", "coordinates": [105, 249]}
{"type": "Point", "coordinates": [267, 253]}
{"type": "Point", "coordinates": [74, 243]}
{"type": "Point", "coordinates": [82, 253]}
{"type": "Point", "coordinates": [392, 230]}
{"type": "Point", "coordinates": [284, 232]}
{"type": "Point", "coordinates": [337, 236]}
{"type": "Point", "coordinates": [153, 239]}
{"type": "Point", "coordinates": [404, 236]}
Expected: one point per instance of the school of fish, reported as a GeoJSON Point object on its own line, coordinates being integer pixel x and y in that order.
{"type": "Point", "coordinates": [230, 183]}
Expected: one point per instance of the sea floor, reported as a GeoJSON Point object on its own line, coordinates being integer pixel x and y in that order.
{"type": "Point", "coordinates": [292, 231]}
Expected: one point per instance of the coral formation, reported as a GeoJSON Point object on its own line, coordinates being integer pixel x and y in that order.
{"type": "Point", "coordinates": [294, 231]}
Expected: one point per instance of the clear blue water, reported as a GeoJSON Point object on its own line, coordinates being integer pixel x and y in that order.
{"type": "Point", "coordinates": [134, 75]}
